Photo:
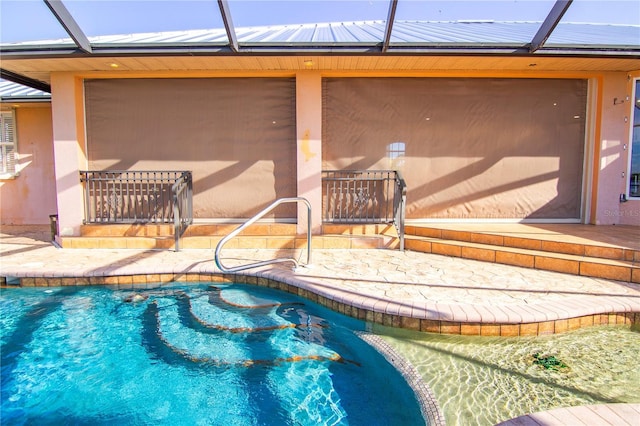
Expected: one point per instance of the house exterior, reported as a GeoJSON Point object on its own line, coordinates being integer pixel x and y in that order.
{"type": "Point", "coordinates": [27, 185]}
{"type": "Point", "coordinates": [481, 131]}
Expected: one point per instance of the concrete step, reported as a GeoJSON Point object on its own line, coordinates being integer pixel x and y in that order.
{"type": "Point", "coordinates": [222, 229]}
{"type": "Point", "coordinates": [240, 242]}
{"type": "Point", "coordinates": [596, 267]}
{"type": "Point", "coordinates": [195, 230]}
{"type": "Point", "coordinates": [565, 244]}
{"type": "Point", "coordinates": [207, 236]}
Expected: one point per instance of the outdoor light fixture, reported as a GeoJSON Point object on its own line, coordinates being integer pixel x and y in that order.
{"type": "Point", "coordinates": [308, 63]}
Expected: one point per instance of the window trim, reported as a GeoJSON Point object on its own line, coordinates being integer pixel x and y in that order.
{"type": "Point", "coordinates": [5, 175]}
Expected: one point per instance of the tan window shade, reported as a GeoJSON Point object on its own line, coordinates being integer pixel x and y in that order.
{"type": "Point", "coordinates": [237, 135]}
{"type": "Point", "coordinates": [468, 148]}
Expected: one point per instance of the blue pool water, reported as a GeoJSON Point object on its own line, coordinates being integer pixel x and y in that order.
{"type": "Point", "coordinates": [190, 354]}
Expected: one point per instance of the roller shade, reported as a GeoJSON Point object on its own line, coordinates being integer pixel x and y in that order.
{"type": "Point", "coordinates": [237, 135]}
{"type": "Point", "coordinates": [468, 148]}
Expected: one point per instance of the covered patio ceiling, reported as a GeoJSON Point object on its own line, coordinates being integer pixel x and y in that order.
{"type": "Point", "coordinates": [388, 32]}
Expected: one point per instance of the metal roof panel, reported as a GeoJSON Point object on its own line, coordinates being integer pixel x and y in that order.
{"type": "Point", "coordinates": [595, 34]}
{"type": "Point", "coordinates": [14, 92]}
{"type": "Point", "coordinates": [404, 34]}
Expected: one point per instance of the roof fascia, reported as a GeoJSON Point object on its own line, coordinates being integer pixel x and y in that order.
{"type": "Point", "coordinates": [70, 25]}
{"type": "Point", "coordinates": [271, 49]}
{"type": "Point", "coordinates": [25, 81]}
{"type": "Point", "coordinates": [549, 24]}
{"type": "Point", "coordinates": [228, 24]}
{"type": "Point", "coordinates": [391, 16]}
{"type": "Point", "coordinates": [25, 99]}
{"type": "Point", "coordinates": [369, 50]}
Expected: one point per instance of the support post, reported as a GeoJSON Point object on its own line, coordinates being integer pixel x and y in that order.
{"type": "Point", "coordinates": [309, 147]}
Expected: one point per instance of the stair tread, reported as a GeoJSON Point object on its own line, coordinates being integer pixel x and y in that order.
{"type": "Point", "coordinates": [586, 235]}
{"type": "Point", "coordinates": [339, 241]}
{"type": "Point", "coordinates": [577, 247]}
{"type": "Point", "coordinates": [539, 253]}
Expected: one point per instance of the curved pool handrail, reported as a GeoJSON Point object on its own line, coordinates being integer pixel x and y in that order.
{"type": "Point", "coordinates": [258, 216]}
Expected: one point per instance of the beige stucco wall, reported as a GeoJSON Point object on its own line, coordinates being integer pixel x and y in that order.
{"type": "Point", "coordinates": [613, 149]}
{"type": "Point", "coordinates": [30, 197]}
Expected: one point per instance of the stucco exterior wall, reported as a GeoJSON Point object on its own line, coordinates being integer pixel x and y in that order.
{"type": "Point", "coordinates": [45, 138]}
{"type": "Point", "coordinates": [614, 150]}
{"type": "Point", "coordinates": [30, 197]}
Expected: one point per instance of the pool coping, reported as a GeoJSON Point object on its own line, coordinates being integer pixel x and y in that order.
{"type": "Point", "coordinates": [468, 320]}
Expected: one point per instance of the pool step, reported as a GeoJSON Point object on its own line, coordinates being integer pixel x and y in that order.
{"type": "Point", "coordinates": [598, 261]}
{"type": "Point", "coordinates": [219, 340]}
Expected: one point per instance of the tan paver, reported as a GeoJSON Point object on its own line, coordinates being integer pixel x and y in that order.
{"type": "Point", "coordinates": [591, 415]}
{"type": "Point", "coordinates": [409, 284]}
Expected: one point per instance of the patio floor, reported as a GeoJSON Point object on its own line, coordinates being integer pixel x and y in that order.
{"type": "Point", "coordinates": [414, 290]}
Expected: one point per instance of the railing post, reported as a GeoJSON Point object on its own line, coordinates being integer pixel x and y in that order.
{"type": "Point", "coordinates": [176, 223]}
{"type": "Point", "coordinates": [401, 189]}
{"type": "Point", "coordinates": [181, 194]}
{"type": "Point", "coordinates": [308, 231]}
{"type": "Point", "coordinates": [190, 197]}
{"type": "Point", "coordinates": [87, 199]}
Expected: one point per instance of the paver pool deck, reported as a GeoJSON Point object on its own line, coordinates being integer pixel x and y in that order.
{"type": "Point", "coordinates": [414, 290]}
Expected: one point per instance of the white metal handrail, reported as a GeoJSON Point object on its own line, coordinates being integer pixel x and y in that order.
{"type": "Point", "coordinates": [259, 215]}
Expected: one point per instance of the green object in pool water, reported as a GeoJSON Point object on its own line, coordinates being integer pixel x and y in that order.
{"type": "Point", "coordinates": [549, 362]}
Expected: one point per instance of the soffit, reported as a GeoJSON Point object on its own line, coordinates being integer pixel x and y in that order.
{"type": "Point", "coordinates": [41, 69]}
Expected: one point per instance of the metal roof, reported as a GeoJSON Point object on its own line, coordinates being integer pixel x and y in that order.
{"type": "Point", "coordinates": [404, 33]}
{"type": "Point", "coordinates": [14, 92]}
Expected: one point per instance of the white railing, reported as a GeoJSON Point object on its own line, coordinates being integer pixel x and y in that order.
{"type": "Point", "coordinates": [255, 218]}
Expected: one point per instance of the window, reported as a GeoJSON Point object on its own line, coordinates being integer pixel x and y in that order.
{"type": "Point", "coordinates": [7, 144]}
{"type": "Point", "coordinates": [395, 154]}
{"type": "Point", "coordinates": [634, 162]}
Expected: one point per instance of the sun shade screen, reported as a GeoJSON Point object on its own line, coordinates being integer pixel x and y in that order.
{"type": "Point", "coordinates": [237, 136]}
{"type": "Point", "coordinates": [468, 148]}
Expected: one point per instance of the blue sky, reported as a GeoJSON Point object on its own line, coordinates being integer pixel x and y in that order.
{"type": "Point", "coordinates": [28, 20]}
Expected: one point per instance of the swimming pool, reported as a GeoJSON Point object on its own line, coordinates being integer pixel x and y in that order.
{"type": "Point", "coordinates": [190, 354]}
